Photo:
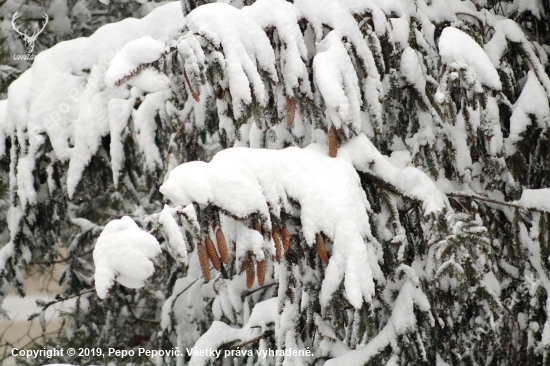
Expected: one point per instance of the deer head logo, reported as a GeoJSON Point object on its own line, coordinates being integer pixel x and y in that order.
{"type": "Point", "coordinates": [29, 40]}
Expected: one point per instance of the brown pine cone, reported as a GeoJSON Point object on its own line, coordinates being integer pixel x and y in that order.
{"type": "Point", "coordinates": [193, 93]}
{"type": "Point", "coordinates": [212, 254]}
{"type": "Point", "coordinates": [332, 142]}
{"type": "Point", "coordinates": [321, 248]}
{"type": "Point", "coordinates": [222, 246]}
{"type": "Point", "coordinates": [250, 275]}
{"type": "Point", "coordinates": [278, 246]}
{"type": "Point", "coordinates": [203, 259]}
{"type": "Point", "coordinates": [257, 226]}
{"type": "Point", "coordinates": [260, 272]}
{"type": "Point", "coordinates": [286, 239]}
{"type": "Point", "coordinates": [290, 110]}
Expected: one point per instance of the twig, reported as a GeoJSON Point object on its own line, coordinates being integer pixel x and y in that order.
{"type": "Point", "coordinates": [490, 200]}
{"type": "Point", "coordinates": [253, 340]}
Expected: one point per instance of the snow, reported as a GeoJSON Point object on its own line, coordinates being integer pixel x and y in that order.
{"type": "Point", "coordinates": [457, 47]}
{"type": "Point", "coordinates": [337, 81]}
{"type": "Point", "coordinates": [245, 45]}
{"type": "Point", "coordinates": [531, 102]}
{"type": "Point", "coordinates": [411, 69]}
{"type": "Point", "coordinates": [123, 253]}
{"type": "Point", "coordinates": [533, 6]}
{"type": "Point", "coordinates": [132, 55]}
{"type": "Point", "coordinates": [177, 246]}
{"type": "Point", "coordinates": [535, 198]}
{"type": "Point", "coordinates": [284, 17]}
{"type": "Point", "coordinates": [491, 284]}
{"type": "Point", "coordinates": [58, 97]}
{"type": "Point", "coordinates": [5, 129]}
{"type": "Point", "coordinates": [365, 157]}
{"type": "Point", "coordinates": [402, 319]}
{"type": "Point", "coordinates": [146, 127]}
{"type": "Point", "coordinates": [119, 111]}
{"type": "Point", "coordinates": [245, 181]}
{"type": "Point", "coordinates": [219, 333]}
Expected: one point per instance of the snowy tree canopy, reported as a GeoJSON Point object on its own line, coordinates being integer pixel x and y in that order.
{"type": "Point", "coordinates": [368, 180]}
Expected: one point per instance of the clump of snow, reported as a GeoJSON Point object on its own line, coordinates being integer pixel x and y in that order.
{"type": "Point", "coordinates": [63, 94]}
{"type": "Point", "coordinates": [365, 157]}
{"type": "Point", "coordinates": [535, 198]}
{"type": "Point", "coordinates": [176, 241]}
{"type": "Point", "coordinates": [264, 316]}
{"type": "Point", "coordinates": [402, 320]}
{"type": "Point", "coordinates": [5, 129]}
{"type": "Point", "coordinates": [244, 44]}
{"type": "Point", "coordinates": [123, 253]}
{"type": "Point", "coordinates": [128, 60]}
{"type": "Point", "coordinates": [337, 81]}
{"type": "Point", "coordinates": [457, 47]}
{"type": "Point", "coordinates": [531, 102]}
{"type": "Point", "coordinates": [245, 181]}
{"type": "Point", "coordinates": [411, 69]}
{"type": "Point", "coordinates": [284, 17]}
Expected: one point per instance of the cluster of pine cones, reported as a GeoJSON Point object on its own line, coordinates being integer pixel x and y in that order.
{"type": "Point", "coordinates": [207, 253]}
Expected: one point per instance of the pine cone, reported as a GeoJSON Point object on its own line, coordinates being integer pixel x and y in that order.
{"type": "Point", "coordinates": [260, 272]}
{"type": "Point", "coordinates": [278, 246]}
{"type": "Point", "coordinates": [249, 269]}
{"type": "Point", "coordinates": [332, 142]}
{"type": "Point", "coordinates": [321, 248]}
{"type": "Point", "coordinates": [290, 110]}
{"type": "Point", "coordinates": [212, 254]}
{"type": "Point", "coordinates": [286, 239]}
{"type": "Point", "coordinates": [193, 93]}
{"type": "Point", "coordinates": [222, 246]}
{"type": "Point", "coordinates": [203, 259]}
{"type": "Point", "coordinates": [257, 226]}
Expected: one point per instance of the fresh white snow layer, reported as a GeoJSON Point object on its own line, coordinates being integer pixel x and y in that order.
{"type": "Point", "coordinates": [123, 253]}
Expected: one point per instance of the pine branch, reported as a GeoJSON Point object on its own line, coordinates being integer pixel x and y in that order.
{"type": "Point", "coordinates": [253, 340]}
{"type": "Point", "coordinates": [491, 200]}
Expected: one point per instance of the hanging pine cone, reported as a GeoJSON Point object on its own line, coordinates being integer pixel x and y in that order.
{"type": "Point", "coordinates": [249, 269]}
{"type": "Point", "coordinates": [257, 226]}
{"type": "Point", "coordinates": [222, 246]}
{"type": "Point", "coordinates": [260, 272]}
{"type": "Point", "coordinates": [193, 93]}
{"type": "Point", "coordinates": [290, 110]}
{"type": "Point", "coordinates": [286, 239]}
{"type": "Point", "coordinates": [321, 248]}
{"type": "Point", "coordinates": [203, 259]}
{"type": "Point", "coordinates": [278, 245]}
{"type": "Point", "coordinates": [212, 254]}
{"type": "Point", "coordinates": [332, 142]}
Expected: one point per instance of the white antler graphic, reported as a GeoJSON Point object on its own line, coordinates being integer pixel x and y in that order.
{"type": "Point", "coordinates": [29, 40]}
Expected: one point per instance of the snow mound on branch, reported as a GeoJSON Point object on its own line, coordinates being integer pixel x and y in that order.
{"type": "Point", "coordinates": [531, 102]}
{"type": "Point", "coordinates": [123, 253]}
{"type": "Point", "coordinates": [535, 198]}
{"type": "Point", "coordinates": [402, 320]}
{"type": "Point", "coordinates": [337, 81]}
{"type": "Point", "coordinates": [364, 156]}
{"type": "Point", "coordinates": [63, 94]}
{"type": "Point", "coordinates": [219, 333]}
{"type": "Point", "coordinates": [411, 69]}
{"type": "Point", "coordinates": [246, 181]}
{"type": "Point", "coordinates": [175, 240]}
{"type": "Point", "coordinates": [456, 46]}
{"type": "Point", "coordinates": [244, 44]}
{"type": "Point", "coordinates": [128, 60]}
{"type": "Point", "coordinates": [284, 16]}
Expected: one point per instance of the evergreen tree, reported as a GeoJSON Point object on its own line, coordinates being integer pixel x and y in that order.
{"type": "Point", "coordinates": [366, 180]}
